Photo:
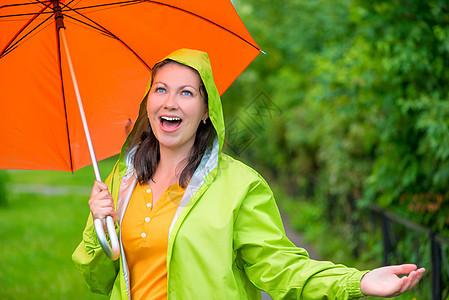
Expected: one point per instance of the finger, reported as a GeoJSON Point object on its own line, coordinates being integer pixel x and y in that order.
{"type": "Point", "coordinates": [101, 204]}
{"type": "Point", "coordinates": [415, 277]}
{"type": "Point", "coordinates": [102, 212]}
{"type": "Point", "coordinates": [421, 271]}
{"type": "Point", "coordinates": [403, 269]}
{"type": "Point", "coordinates": [104, 195]}
{"type": "Point", "coordinates": [98, 187]}
{"type": "Point", "coordinates": [419, 274]}
{"type": "Point", "coordinates": [101, 196]}
{"type": "Point", "coordinates": [401, 285]}
{"type": "Point", "coordinates": [95, 203]}
{"type": "Point", "coordinates": [408, 284]}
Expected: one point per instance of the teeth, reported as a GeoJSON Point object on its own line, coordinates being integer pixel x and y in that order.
{"type": "Point", "coordinates": [171, 118]}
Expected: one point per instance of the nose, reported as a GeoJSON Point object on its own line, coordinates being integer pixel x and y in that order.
{"type": "Point", "coordinates": [170, 102]}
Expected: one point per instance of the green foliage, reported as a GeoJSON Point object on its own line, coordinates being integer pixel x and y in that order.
{"type": "Point", "coordinates": [362, 92]}
{"type": "Point", "coordinates": [362, 95]}
{"type": "Point", "coordinates": [412, 52]}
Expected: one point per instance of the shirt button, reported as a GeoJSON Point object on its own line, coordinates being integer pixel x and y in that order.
{"type": "Point", "coordinates": [147, 219]}
{"type": "Point", "coordinates": [143, 234]}
{"type": "Point", "coordinates": [148, 204]}
{"type": "Point", "coordinates": [148, 191]}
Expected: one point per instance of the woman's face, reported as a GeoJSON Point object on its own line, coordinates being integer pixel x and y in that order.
{"type": "Point", "coordinates": [175, 106]}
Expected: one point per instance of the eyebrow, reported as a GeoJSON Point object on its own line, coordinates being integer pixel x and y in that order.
{"type": "Point", "coordinates": [187, 85]}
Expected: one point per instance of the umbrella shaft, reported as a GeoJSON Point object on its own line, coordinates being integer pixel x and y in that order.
{"type": "Point", "coordinates": [58, 15]}
{"type": "Point", "coordinates": [80, 106]}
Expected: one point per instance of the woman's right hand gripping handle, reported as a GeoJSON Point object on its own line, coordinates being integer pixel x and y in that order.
{"type": "Point", "coordinates": [101, 202]}
{"type": "Point", "coordinates": [101, 206]}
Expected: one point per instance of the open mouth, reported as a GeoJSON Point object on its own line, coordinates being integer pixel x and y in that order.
{"type": "Point", "coordinates": [170, 123]}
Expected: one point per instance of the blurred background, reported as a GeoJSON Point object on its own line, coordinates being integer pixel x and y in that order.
{"type": "Point", "coordinates": [346, 116]}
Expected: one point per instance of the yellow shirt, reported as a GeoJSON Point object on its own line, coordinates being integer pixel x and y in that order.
{"type": "Point", "coordinates": [145, 237]}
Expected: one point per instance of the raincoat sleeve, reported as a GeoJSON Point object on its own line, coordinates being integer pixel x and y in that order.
{"type": "Point", "coordinates": [98, 270]}
{"type": "Point", "coordinates": [274, 264]}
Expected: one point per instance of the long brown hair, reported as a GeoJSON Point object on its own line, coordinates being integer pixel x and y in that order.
{"type": "Point", "coordinates": [147, 155]}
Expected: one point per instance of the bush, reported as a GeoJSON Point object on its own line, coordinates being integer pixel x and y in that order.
{"type": "Point", "coordinates": [362, 113]}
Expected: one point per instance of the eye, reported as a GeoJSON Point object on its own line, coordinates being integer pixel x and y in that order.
{"type": "Point", "coordinates": [159, 89]}
{"type": "Point", "coordinates": [186, 93]}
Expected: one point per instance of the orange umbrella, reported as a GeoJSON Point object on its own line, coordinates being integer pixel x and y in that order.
{"type": "Point", "coordinates": [55, 53]}
{"type": "Point", "coordinates": [112, 45]}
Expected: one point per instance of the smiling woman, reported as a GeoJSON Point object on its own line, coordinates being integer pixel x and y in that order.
{"type": "Point", "coordinates": [176, 104]}
{"type": "Point", "coordinates": [195, 223]}
{"type": "Point", "coordinates": [176, 107]}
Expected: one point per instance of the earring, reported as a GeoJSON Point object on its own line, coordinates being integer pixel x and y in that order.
{"type": "Point", "coordinates": [204, 121]}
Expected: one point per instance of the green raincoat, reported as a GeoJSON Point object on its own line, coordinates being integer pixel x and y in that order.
{"type": "Point", "coordinates": [226, 240]}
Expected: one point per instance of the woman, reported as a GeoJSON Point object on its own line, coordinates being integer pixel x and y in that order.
{"type": "Point", "coordinates": [198, 224]}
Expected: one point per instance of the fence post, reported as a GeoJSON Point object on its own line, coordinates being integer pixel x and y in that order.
{"type": "Point", "coordinates": [435, 250]}
{"type": "Point", "coordinates": [386, 238]}
{"type": "Point", "coordinates": [353, 219]}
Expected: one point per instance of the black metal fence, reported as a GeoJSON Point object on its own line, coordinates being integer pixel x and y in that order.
{"type": "Point", "coordinates": [428, 246]}
{"type": "Point", "coordinates": [403, 241]}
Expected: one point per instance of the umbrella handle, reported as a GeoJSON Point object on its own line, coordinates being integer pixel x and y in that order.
{"type": "Point", "coordinates": [113, 250]}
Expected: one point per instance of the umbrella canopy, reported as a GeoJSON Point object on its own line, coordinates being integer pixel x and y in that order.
{"type": "Point", "coordinates": [112, 44]}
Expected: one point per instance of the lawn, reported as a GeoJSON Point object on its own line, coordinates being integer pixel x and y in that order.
{"type": "Point", "coordinates": [39, 229]}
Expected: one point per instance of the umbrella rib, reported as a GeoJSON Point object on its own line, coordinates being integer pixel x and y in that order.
{"type": "Point", "coordinates": [91, 26]}
{"type": "Point", "coordinates": [16, 44]}
{"type": "Point", "coordinates": [23, 4]}
{"type": "Point", "coordinates": [12, 44]}
{"type": "Point", "coordinates": [18, 4]}
{"type": "Point", "coordinates": [171, 6]}
{"type": "Point", "coordinates": [25, 14]}
{"type": "Point", "coordinates": [107, 32]}
{"type": "Point", "coordinates": [130, 2]}
{"type": "Point", "coordinates": [207, 20]}
{"type": "Point", "coordinates": [63, 93]}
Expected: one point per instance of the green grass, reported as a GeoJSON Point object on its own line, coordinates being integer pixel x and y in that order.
{"type": "Point", "coordinates": [38, 234]}
{"type": "Point", "coordinates": [84, 176]}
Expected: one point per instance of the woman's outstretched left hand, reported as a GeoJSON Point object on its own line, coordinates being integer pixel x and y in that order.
{"type": "Point", "coordinates": [385, 282]}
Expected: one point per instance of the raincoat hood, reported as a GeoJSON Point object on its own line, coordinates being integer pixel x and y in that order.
{"type": "Point", "coordinates": [199, 61]}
